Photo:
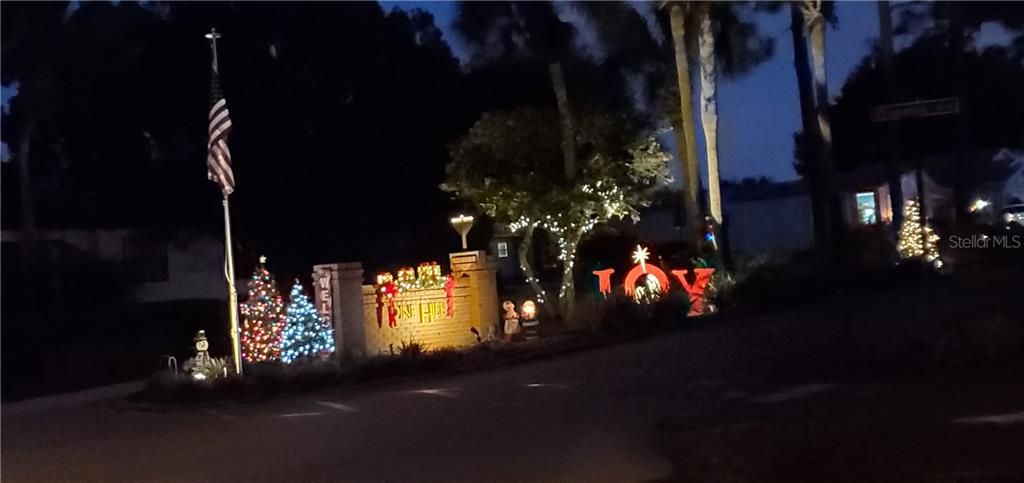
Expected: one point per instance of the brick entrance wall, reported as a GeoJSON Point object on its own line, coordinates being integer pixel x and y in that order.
{"type": "Point", "coordinates": [362, 327]}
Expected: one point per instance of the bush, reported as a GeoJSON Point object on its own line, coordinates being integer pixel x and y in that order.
{"type": "Point", "coordinates": [675, 305]}
{"type": "Point", "coordinates": [411, 349]}
{"type": "Point", "coordinates": [778, 284]}
{"type": "Point", "coordinates": [720, 291]}
{"type": "Point", "coordinates": [586, 315]}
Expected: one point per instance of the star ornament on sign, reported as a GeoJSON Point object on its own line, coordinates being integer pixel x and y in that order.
{"type": "Point", "coordinates": [640, 256]}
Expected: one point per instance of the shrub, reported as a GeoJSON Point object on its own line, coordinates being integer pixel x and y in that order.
{"type": "Point", "coordinates": [671, 307]}
{"type": "Point", "coordinates": [774, 282]}
{"type": "Point", "coordinates": [720, 290]}
{"type": "Point", "coordinates": [411, 349]}
{"type": "Point", "coordinates": [586, 315]}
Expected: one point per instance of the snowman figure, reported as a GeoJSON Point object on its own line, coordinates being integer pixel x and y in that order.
{"type": "Point", "coordinates": [202, 358]}
{"type": "Point", "coordinates": [511, 319]}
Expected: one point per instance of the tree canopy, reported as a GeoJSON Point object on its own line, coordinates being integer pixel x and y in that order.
{"type": "Point", "coordinates": [324, 103]}
{"type": "Point", "coordinates": [508, 165]}
{"type": "Point", "coordinates": [993, 102]}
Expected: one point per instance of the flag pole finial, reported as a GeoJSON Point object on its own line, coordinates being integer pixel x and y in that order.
{"type": "Point", "coordinates": [213, 35]}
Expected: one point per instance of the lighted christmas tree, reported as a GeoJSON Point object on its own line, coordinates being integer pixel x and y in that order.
{"type": "Point", "coordinates": [306, 333]}
{"type": "Point", "coordinates": [262, 317]}
{"type": "Point", "coordinates": [916, 241]}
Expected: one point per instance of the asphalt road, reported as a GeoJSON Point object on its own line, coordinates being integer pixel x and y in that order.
{"type": "Point", "coordinates": [723, 403]}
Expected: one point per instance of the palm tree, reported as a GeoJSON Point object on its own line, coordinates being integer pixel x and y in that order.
{"type": "Point", "coordinates": [686, 135]}
{"type": "Point", "coordinates": [724, 42]}
{"type": "Point", "coordinates": [709, 107]}
{"type": "Point", "coordinates": [808, 22]}
{"type": "Point", "coordinates": [496, 29]}
{"type": "Point", "coordinates": [629, 44]}
{"type": "Point", "coordinates": [727, 40]}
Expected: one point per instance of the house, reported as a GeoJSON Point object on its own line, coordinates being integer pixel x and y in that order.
{"type": "Point", "coordinates": [155, 266]}
{"type": "Point", "coordinates": [865, 200]}
{"type": "Point", "coordinates": [997, 179]}
{"type": "Point", "coordinates": [504, 247]}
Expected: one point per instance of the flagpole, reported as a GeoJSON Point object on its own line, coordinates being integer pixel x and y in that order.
{"type": "Point", "coordinates": [232, 293]}
{"type": "Point", "coordinates": [229, 259]}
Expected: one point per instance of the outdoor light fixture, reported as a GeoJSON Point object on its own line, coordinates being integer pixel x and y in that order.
{"type": "Point", "coordinates": [462, 224]}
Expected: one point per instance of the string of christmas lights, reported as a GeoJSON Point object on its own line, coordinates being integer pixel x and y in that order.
{"type": "Point", "coordinates": [262, 317]}
{"type": "Point", "coordinates": [916, 241]}
{"type": "Point", "coordinates": [306, 334]}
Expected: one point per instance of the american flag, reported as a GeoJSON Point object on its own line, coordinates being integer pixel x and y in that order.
{"type": "Point", "coordinates": [218, 156]}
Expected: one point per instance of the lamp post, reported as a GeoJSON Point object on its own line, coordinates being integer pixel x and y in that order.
{"type": "Point", "coordinates": [462, 225]}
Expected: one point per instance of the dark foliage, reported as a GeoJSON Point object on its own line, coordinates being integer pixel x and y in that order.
{"type": "Point", "coordinates": [342, 113]}
{"type": "Point", "coordinates": [993, 104]}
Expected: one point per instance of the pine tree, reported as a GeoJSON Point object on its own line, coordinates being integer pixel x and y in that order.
{"type": "Point", "coordinates": [306, 333]}
{"type": "Point", "coordinates": [915, 241]}
{"type": "Point", "coordinates": [262, 317]}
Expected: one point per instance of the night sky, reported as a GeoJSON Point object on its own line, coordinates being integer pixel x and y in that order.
{"type": "Point", "coordinates": [758, 113]}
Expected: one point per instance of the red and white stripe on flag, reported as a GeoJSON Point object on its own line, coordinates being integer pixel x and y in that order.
{"type": "Point", "coordinates": [218, 156]}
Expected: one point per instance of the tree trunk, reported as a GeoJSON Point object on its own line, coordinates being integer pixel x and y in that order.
{"type": "Point", "coordinates": [811, 128]}
{"type": "Point", "coordinates": [709, 110]}
{"type": "Point", "coordinates": [567, 292]}
{"type": "Point", "coordinates": [28, 216]}
{"type": "Point", "coordinates": [565, 116]}
{"type": "Point", "coordinates": [889, 134]}
{"type": "Point", "coordinates": [816, 32]}
{"type": "Point", "coordinates": [525, 246]}
{"type": "Point", "coordinates": [688, 148]}
{"type": "Point", "coordinates": [962, 178]}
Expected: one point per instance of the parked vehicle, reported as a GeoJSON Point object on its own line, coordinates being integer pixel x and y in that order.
{"type": "Point", "coordinates": [1013, 215]}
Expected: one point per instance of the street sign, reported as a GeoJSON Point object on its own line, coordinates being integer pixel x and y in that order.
{"type": "Point", "coordinates": [917, 109]}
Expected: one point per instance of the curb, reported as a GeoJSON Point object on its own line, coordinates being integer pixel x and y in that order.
{"type": "Point", "coordinates": [572, 344]}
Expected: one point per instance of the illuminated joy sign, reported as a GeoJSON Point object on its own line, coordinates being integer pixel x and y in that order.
{"type": "Point", "coordinates": [650, 280]}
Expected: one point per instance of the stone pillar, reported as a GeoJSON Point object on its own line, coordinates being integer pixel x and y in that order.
{"type": "Point", "coordinates": [338, 289]}
{"type": "Point", "coordinates": [475, 269]}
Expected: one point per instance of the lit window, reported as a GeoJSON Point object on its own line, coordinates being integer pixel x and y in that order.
{"type": "Point", "coordinates": [502, 249]}
{"type": "Point", "coordinates": [867, 208]}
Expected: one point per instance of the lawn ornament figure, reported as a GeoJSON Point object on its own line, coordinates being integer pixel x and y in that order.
{"type": "Point", "coordinates": [203, 367]}
{"type": "Point", "coordinates": [202, 348]}
{"type": "Point", "coordinates": [511, 319]}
